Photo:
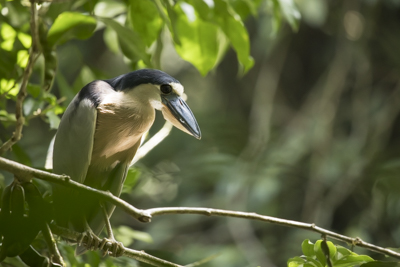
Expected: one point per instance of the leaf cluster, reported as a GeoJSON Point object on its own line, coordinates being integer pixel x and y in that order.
{"type": "Point", "coordinates": [326, 254]}
{"type": "Point", "coordinates": [201, 33]}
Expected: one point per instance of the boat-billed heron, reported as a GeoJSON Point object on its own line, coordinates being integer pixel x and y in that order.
{"type": "Point", "coordinates": [99, 135]}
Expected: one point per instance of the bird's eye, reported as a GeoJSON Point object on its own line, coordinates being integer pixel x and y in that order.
{"type": "Point", "coordinates": [166, 89]}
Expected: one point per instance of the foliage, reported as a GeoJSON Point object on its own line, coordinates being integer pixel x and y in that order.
{"type": "Point", "coordinates": [325, 253]}
{"type": "Point", "coordinates": [201, 33]}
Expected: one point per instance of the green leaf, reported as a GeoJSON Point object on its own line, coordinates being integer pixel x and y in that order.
{"type": "Point", "coordinates": [198, 41]}
{"type": "Point", "coordinates": [69, 25]}
{"type": "Point", "coordinates": [33, 89]}
{"type": "Point", "coordinates": [25, 39]}
{"type": "Point", "coordinates": [381, 264]}
{"type": "Point", "coordinates": [352, 260]}
{"type": "Point", "coordinates": [54, 120]}
{"type": "Point", "coordinates": [246, 7]}
{"type": "Point", "coordinates": [308, 248]}
{"type": "Point", "coordinates": [277, 17]}
{"type": "Point", "coordinates": [202, 9]}
{"type": "Point", "coordinates": [30, 105]}
{"type": "Point", "coordinates": [8, 34]}
{"type": "Point", "coordinates": [109, 8]}
{"type": "Point", "coordinates": [144, 11]}
{"type": "Point", "coordinates": [165, 10]}
{"type": "Point", "coordinates": [131, 179]}
{"type": "Point", "coordinates": [50, 63]}
{"type": "Point", "coordinates": [49, 98]}
{"type": "Point", "coordinates": [343, 252]}
{"type": "Point", "coordinates": [22, 58]}
{"type": "Point", "coordinates": [319, 253]}
{"type": "Point", "coordinates": [295, 262]}
{"type": "Point", "coordinates": [169, 19]}
{"type": "Point", "coordinates": [130, 42]}
{"type": "Point", "coordinates": [127, 235]}
{"type": "Point", "coordinates": [156, 55]}
{"type": "Point", "coordinates": [8, 87]}
{"type": "Point", "coordinates": [7, 118]}
{"type": "Point", "coordinates": [303, 262]}
{"type": "Point", "coordinates": [328, 247]}
{"type": "Point", "coordinates": [50, 57]}
{"type": "Point", "coordinates": [236, 32]}
{"type": "Point", "coordinates": [291, 13]}
{"type": "Point", "coordinates": [109, 37]}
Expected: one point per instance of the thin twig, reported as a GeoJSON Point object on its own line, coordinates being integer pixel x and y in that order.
{"type": "Point", "coordinates": [40, 112]}
{"type": "Point", "coordinates": [51, 243]}
{"type": "Point", "coordinates": [20, 120]}
{"type": "Point", "coordinates": [26, 173]}
{"type": "Point", "coordinates": [153, 142]}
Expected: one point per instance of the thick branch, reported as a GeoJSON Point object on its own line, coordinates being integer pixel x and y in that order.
{"type": "Point", "coordinates": [25, 173]}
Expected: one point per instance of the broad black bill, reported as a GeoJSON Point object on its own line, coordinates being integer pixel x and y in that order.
{"type": "Point", "coordinates": [182, 113]}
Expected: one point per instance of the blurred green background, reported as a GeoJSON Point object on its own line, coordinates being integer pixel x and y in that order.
{"type": "Point", "coordinates": [310, 133]}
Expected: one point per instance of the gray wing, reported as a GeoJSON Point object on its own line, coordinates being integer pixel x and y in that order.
{"type": "Point", "coordinates": [72, 152]}
{"type": "Point", "coordinates": [74, 140]}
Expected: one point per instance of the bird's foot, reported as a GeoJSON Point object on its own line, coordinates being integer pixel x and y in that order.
{"type": "Point", "coordinates": [92, 241]}
{"type": "Point", "coordinates": [115, 248]}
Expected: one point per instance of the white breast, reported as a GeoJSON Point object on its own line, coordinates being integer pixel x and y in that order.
{"type": "Point", "coordinates": [122, 119]}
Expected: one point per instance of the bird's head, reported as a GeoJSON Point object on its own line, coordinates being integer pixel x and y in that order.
{"type": "Point", "coordinates": [162, 92]}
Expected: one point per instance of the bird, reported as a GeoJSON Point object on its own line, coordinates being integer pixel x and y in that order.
{"type": "Point", "coordinates": [100, 133]}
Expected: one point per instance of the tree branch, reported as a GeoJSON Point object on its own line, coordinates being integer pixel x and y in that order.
{"type": "Point", "coordinates": [152, 142]}
{"type": "Point", "coordinates": [51, 243]}
{"type": "Point", "coordinates": [26, 173]}
{"type": "Point", "coordinates": [355, 241]}
{"type": "Point", "coordinates": [19, 114]}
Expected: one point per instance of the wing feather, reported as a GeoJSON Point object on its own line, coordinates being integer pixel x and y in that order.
{"type": "Point", "coordinates": [74, 140]}
{"type": "Point", "coordinates": [73, 147]}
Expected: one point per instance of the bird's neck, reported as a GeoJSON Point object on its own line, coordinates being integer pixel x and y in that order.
{"type": "Point", "coordinates": [122, 119]}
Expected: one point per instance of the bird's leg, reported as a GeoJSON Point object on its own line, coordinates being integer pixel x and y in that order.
{"type": "Point", "coordinates": [117, 248]}
{"type": "Point", "coordinates": [92, 239]}
{"type": "Point", "coordinates": [110, 233]}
